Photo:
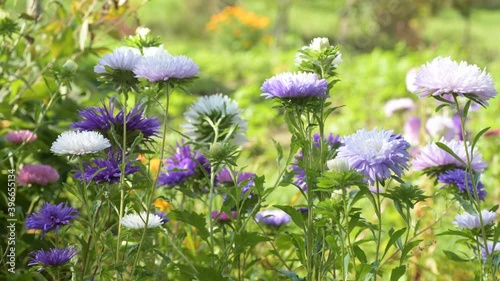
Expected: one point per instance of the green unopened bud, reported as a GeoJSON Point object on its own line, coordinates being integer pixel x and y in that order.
{"type": "Point", "coordinates": [70, 66]}
{"type": "Point", "coordinates": [338, 165]}
{"type": "Point", "coordinates": [217, 150]}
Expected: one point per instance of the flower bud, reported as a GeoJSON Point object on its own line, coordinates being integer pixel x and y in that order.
{"type": "Point", "coordinates": [339, 165]}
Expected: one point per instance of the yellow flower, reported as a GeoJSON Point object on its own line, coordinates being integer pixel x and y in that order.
{"type": "Point", "coordinates": [162, 204]}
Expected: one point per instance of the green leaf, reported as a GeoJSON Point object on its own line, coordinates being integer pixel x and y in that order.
{"type": "Point", "coordinates": [296, 216]}
{"type": "Point", "coordinates": [397, 272]}
{"type": "Point", "coordinates": [447, 149]}
{"type": "Point", "coordinates": [457, 233]}
{"type": "Point", "coordinates": [359, 254]}
{"type": "Point", "coordinates": [245, 240]}
{"type": "Point", "coordinates": [476, 138]}
{"type": "Point", "coordinates": [394, 237]}
{"type": "Point", "coordinates": [465, 204]}
{"type": "Point", "coordinates": [454, 257]}
{"type": "Point", "coordinates": [193, 219]}
{"type": "Point", "coordinates": [407, 248]}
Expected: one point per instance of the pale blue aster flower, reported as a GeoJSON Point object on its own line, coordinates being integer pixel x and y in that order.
{"type": "Point", "coordinates": [273, 217]}
{"type": "Point", "coordinates": [289, 85]}
{"type": "Point", "coordinates": [472, 221]}
{"type": "Point", "coordinates": [376, 153]}
{"type": "Point", "coordinates": [162, 67]}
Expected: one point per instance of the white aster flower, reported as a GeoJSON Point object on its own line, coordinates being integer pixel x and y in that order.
{"type": "Point", "coordinates": [410, 80]}
{"type": "Point", "coordinates": [432, 155]}
{"type": "Point", "coordinates": [441, 126]}
{"type": "Point", "coordinates": [78, 143]}
{"type": "Point", "coordinates": [123, 58]}
{"type": "Point", "coordinates": [162, 66]}
{"type": "Point", "coordinates": [138, 221]}
{"type": "Point", "coordinates": [339, 165]}
{"type": "Point", "coordinates": [220, 110]}
{"type": "Point", "coordinates": [469, 221]}
{"type": "Point", "coordinates": [443, 76]}
{"type": "Point", "coordinates": [319, 43]}
{"type": "Point", "coordinates": [155, 51]}
{"type": "Point", "coordinates": [398, 105]}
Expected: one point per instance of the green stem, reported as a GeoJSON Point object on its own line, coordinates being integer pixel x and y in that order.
{"type": "Point", "coordinates": [122, 177]}
{"type": "Point", "coordinates": [378, 211]}
{"type": "Point", "coordinates": [155, 183]}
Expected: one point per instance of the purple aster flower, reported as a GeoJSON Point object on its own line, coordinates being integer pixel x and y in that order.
{"type": "Point", "coordinates": [163, 66]}
{"type": "Point", "coordinates": [102, 119]}
{"type": "Point", "coordinates": [300, 174]}
{"type": "Point", "coordinates": [457, 177]}
{"type": "Point", "coordinates": [224, 177]}
{"type": "Point", "coordinates": [223, 217]}
{"type": "Point", "coordinates": [431, 156]}
{"type": "Point", "coordinates": [398, 106]}
{"type": "Point", "coordinates": [458, 127]}
{"type": "Point", "coordinates": [472, 221]}
{"type": "Point", "coordinates": [273, 217]}
{"type": "Point", "coordinates": [37, 174]}
{"type": "Point", "coordinates": [375, 153]}
{"type": "Point", "coordinates": [51, 216]}
{"type": "Point", "coordinates": [412, 130]}
{"type": "Point", "coordinates": [444, 76]}
{"type": "Point", "coordinates": [491, 249]}
{"type": "Point", "coordinates": [185, 163]}
{"type": "Point", "coordinates": [289, 85]}
{"type": "Point", "coordinates": [162, 215]}
{"type": "Point", "coordinates": [106, 169]}
{"type": "Point", "coordinates": [53, 257]}
{"type": "Point", "coordinates": [21, 136]}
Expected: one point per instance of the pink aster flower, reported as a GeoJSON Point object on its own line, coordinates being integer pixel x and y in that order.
{"type": "Point", "coordinates": [443, 76]}
{"type": "Point", "coordinates": [21, 136]}
{"type": "Point", "coordinates": [37, 174]}
{"type": "Point", "coordinates": [433, 156]}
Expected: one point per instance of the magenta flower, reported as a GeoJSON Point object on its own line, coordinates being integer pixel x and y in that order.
{"type": "Point", "coordinates": [223, 217]}
{"type": "Point", "coordinates": [37, 174]}
{"type": "Point", "coordinates": [21, 136]}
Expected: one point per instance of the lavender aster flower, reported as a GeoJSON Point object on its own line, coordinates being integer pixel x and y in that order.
{"type": "Point", "coordinates": [21, 136]}
{"type": "Point", "coordinates": [162, 67]}
{"type": "Point", "coordinates": [122, 58]}
{"type": "Point", "coordinates": [431, 156]}
{"type": "Point", "coordinates": [51, 216]}
{"type": "Point", "coordinates": [375, 153]}
{"type": "Point", "coordinates": [219, 109]}
{"type": "Point", "coordinates": [300, 174]}
{"type": "Point", "coordinates": [181, 166]}
{"type": "Point", "coordinates": [37, 174]}
{"type": "Point", "coordinates": [224, 177]}
{"type": "Point", "coordinates": [102, 119]}
{"type": "Point", "coordinates": [273, 217]}
{"type": "Point", "coordinates": [53, 257]}
{"type": "Point", "coordinates": [106, 169]}
{"type": "Point", "coordinates": [138, 221]}
{"type": "Point", "coordinates": [457, 177]}
{"type": "Point", "coordinates": [469, 221]}
{"type": "Point", "coordinates": [78, 143]}
{"type": "Point", "coordinates": [294, 85]}
{"type": "Point", "coordinates": [491, 249]}
{"type": "Point", "coordinates": [412, 130]}
{"type": "Point", "coordinates": [398, 105]}
{"type": "Point", "coordinates": [444, 76]}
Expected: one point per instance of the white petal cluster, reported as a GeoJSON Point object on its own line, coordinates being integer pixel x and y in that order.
{"type": "Point", "coordinates": [204, 107]}
{"type": "Point", "coordinates": [78, 143]}
{"type": "Point", "coordinates": [398, 105]}
{"type": "Point", "coordinates": [138, 221]}
{"type": "Point", "coordinates": [469, 221]}
{"type": "Point", "coordinates": [444, 76]}
{"type": "Point", "coordinates": [158, 65]}
{"type": "Point", "coordinates": [124, 58]}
